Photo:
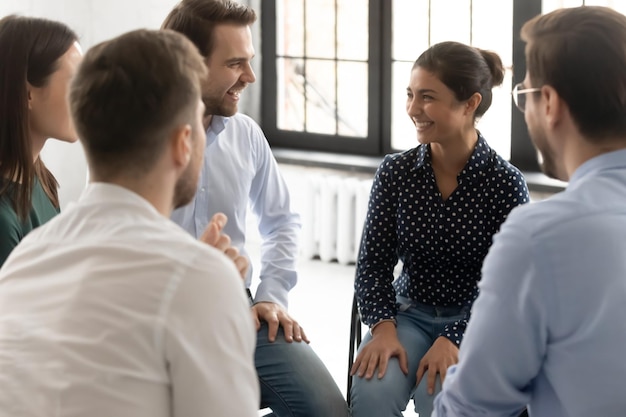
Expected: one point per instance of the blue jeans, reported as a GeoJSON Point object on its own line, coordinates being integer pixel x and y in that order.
{"type": "Point", "coordinates": [418, 327]}
{"type": "Point", "coordinates": [294, 381]}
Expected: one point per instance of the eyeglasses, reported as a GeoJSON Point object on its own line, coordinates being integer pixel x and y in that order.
{"type": "Point", "coordinates": [519, 95]}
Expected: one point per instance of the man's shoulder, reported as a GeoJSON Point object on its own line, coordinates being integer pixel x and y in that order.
{"type": "Point", "coordinates": [241, 128]}
{"type": "Point", "coordinates": [549, 216]}
{"type": "Point", "coordinates": [240, 120]}
{"type": "Point", "coordinates": [142, 241]}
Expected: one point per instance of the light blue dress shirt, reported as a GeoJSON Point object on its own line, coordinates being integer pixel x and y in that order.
{"type": "Point", "coordinates": [240, 171]}
{"type": "Point", "coordinates": [548, 328]}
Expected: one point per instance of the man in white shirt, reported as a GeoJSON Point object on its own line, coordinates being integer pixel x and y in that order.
{"type": "Point", "coordinates": [110, 309]}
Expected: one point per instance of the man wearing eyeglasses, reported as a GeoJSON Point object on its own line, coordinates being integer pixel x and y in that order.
{"type": "Point", "coordinates": [547, 330]}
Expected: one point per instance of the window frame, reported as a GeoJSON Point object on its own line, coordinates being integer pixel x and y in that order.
{"type": "Point", "coordinates": [378, 140]}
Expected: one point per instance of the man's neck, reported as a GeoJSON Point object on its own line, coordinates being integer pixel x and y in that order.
{"type": "Point", "coordinates": [159, 192]}
{"type": "Point", "coordinates": [586, 150]}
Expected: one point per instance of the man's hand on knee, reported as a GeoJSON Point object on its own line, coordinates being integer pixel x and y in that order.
{"type": "Point", "coordinates": [276, 317]}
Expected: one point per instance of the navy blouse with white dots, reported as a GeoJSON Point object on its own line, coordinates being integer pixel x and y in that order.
{"type": "Point", "coordinates": [441, 243]}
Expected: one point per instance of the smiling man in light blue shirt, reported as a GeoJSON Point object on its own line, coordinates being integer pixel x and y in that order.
{"type": "Point", "coordinates": [547, 330]}
{"type": "Point", "coordinates": [240, 171]}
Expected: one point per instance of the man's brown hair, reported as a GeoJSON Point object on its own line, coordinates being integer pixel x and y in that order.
{"type": "Point", "coordinates": [581, 53]}
{"type": "Point", "coordinates": [197, 19]}
{"type": "Point", "coordinates": [128, 95]}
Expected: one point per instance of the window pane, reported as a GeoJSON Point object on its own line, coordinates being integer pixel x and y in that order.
{"type": "Point", "coordinates": [550, 5]}
{"type": "Point", "coordinates": [474, 16]}
{"type": "Point", "coordinates": [410, 29]}
{"type": "Point", "coordinates": [484, 26]}
{"type": "Point", "coordinates": [619, 5]}
{"type": "Point", "coordinates": [352, 35]}
{"type": "Point", "coordinates": [320, 23]}
{"type": "Point", "coordinates": [403, 135]}
{"type": "Point", "coordinates": [290, 94]}
{"type": "Point", "coordinates": [290, 28]}
{"type": "Point", "coordinates": [320, 83]}
{"type": "Point", "coordinates": [496, 123]}
{"type": "Point", "coordinates": [331, 38]}
{"type": "Point", "coordinates": [450, 21]}
{"type": "Point", "coordinates": [352, 98]}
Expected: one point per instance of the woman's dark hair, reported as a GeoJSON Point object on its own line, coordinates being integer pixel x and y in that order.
{"type": "Point", "coordinates": [465, 70]}
{"type": "Point", "coordinates": [30, 49]}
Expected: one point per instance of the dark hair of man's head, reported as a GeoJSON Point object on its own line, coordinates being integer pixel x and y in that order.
{"type": "Point", "coordinates": [197, 19]}
{"type": "Point", "coordinates": [128, 96]}
{"type": "Point", "coordinates": [581, 53]}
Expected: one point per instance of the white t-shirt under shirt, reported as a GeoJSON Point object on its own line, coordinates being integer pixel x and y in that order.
{"type": "Point", "coordinates": [111, 309]}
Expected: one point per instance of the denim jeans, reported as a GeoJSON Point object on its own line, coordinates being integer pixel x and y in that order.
{"type": "Point", "coordinates": [294, 381]}
{"type": "Point", "coordinates": [418, 327]}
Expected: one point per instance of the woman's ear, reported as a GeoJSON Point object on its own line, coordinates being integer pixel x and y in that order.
{"type": "Point", "coordinates": [29, 95]}
{"type": "Point", "coordinates": [472, 103]}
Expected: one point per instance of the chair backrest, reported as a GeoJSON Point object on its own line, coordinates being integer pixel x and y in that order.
{"type": "Point", "coordinates": [355, 340]}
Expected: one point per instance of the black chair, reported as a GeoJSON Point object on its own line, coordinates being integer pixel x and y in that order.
{"type": "Point", "coordinates": [355, 340]}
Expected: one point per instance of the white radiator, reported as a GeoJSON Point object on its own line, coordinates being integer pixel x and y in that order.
{"type": "Point", "coordinates": [333, 211]}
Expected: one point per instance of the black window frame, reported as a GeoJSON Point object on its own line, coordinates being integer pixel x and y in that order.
{"type": "Point", "coordinates": [378, 140]}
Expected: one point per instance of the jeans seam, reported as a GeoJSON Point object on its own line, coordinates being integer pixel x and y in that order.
{"type": "Point", "coordinates": [277, 395]}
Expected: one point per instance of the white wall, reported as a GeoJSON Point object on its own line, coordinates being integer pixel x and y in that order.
{"type": "Point", "coordinates": [95, 21]}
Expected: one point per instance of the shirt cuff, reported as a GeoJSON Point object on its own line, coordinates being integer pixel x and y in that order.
{"type": "Point", "coordinates": [373, 326]}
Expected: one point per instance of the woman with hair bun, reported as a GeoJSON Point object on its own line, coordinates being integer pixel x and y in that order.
{"type": "Point", "coordinates": [435, 208]}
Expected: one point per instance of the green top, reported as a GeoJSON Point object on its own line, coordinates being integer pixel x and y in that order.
{"type": "Point", "coordinates": [12, 230]}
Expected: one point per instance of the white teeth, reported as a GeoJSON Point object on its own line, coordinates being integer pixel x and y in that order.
{"type": "Point", "coordinates": [422, 124]}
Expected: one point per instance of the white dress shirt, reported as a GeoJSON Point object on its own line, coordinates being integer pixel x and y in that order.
{"type": "Point", "coordinates": [548, 328]}
{"type": "Point", "coordinates": [240, 171]}
{"type": "Point", "coordinates": [111, 310]}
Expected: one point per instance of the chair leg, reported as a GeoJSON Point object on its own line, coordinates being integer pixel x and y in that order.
{"type": "Point", "coordinates": [355, 340]}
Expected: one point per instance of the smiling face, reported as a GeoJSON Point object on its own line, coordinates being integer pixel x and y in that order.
{"type": "Point", "coordinates": [434, 110]}
{"type": "Point", "coordinates": [49, 104]}
{"type": "Point", "coordinates": [229, 69]}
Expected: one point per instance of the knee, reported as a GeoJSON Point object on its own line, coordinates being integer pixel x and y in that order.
{"type": "Point", "coordinates": [423, 400]}
{"type": "Point", "coordinates": [379, 397]}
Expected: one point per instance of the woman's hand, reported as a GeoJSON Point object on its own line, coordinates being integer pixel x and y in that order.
{"type": "Point", "coordinates": [377, 352]}
{"type": "Point", "coordinates": [441, 355]}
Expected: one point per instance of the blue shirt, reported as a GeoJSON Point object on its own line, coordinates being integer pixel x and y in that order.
{"type": "Point", "coordinates": [240, 172]}
{"type": "Point", "coordinates": [548, 327]}
{"type": "Point", "coordinates": [441, 243]}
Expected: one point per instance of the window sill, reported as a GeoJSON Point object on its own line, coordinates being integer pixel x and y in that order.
{"type": "Point", "coordinates": [537, 181]}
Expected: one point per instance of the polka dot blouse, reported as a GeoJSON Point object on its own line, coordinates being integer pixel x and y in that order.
{"type": "Point", "coordinates": [441, 244]}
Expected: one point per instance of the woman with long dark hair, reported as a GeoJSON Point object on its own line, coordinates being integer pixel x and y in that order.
{"type": "Point", "coordinates": [38, 58]}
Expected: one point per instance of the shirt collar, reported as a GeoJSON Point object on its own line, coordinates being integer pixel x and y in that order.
{"type": "Point", "coordinates": [217, 126]}
{"type": "Point", "coordinates": [107, 193]}
{"type": "Point", "coordinates": [604, 162]}
{"type": "Point", "coordinates": [477, 162]}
